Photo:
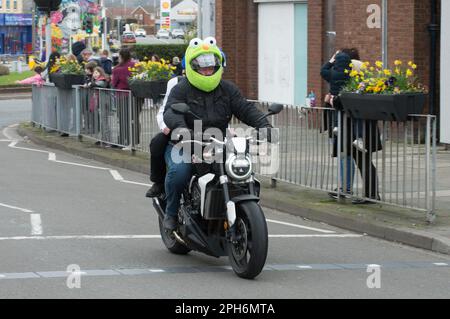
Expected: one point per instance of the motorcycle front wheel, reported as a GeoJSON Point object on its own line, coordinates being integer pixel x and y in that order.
{"type": "Point", "coordinates": [248, 255]}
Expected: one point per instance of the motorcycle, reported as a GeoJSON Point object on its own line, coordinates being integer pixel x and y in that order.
{"type": "Point", "coordinates": [220, 213]}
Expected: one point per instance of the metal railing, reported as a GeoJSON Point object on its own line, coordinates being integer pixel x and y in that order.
{"type": "Point", "coordinates": [394, 164]}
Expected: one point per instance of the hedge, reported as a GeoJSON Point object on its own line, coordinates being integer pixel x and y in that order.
{"type": "Point", "coordinates": [165, 51]}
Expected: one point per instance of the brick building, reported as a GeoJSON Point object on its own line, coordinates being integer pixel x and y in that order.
{"type": "Point", "coordinates": [275, 48]}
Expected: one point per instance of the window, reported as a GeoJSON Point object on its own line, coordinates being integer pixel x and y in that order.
{"type": "Point", "coordinates": [8, 6]}
{"type": "Point", "coordinates": [1, 4]}
{"type": "Point", "coordinates": [15, 5]}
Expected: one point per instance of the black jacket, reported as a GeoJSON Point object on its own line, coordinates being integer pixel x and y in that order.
{"type": "Point", "coordinates": [215, 108]}
{"type": "Point", "coordinates": [334, 73]}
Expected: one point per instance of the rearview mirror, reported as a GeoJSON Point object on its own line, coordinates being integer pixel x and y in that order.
{"type": "Point", "coordinates": [275, 108]}
{"type": "Point", "coordinates": [182, 108]}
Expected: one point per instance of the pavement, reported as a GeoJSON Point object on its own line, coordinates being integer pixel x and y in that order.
{"type": "Point", "coordinates": [75, 227]}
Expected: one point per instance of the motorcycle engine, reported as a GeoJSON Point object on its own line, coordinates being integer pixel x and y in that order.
{"type": "Point", "coordinates": [196, 198]}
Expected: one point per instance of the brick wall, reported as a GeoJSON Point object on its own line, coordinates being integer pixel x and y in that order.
{"type": "Point", "coordinates": [236, 33]}
{"type": "Point", "coordinates": [237, 24]}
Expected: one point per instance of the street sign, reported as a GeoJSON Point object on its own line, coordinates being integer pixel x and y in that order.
{"type": "Point", "coordinates": [166, 6]}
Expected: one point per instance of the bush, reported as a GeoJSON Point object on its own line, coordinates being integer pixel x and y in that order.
{"type": "Point", "coordinates": [165, 51]}
{"type": "Point", "coordinates": [4, 70]}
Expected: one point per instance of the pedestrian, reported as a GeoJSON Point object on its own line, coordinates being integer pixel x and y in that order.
{"type": "Point", "coordinates": [177, 64]}
{"type": "Point", "coordinates": [36, 79]}
{"type": "Point", "coordinates": [336, 73]}
{"type": "Point", "coordinates": [88, 56]}
{"type": "Point", "coordinates": [120, 75]}
{"type": "Point", "coordinates": [105, 62]}
{"type": "Point", "coordinates": [155, 58]}
{"type": "Point", "coordinates": [77, 48]}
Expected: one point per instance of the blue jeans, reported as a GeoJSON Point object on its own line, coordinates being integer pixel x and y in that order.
{"type": "Point", "coordinates": [350, 174]}
{"type": "Point", "coordinates": [179, 173]}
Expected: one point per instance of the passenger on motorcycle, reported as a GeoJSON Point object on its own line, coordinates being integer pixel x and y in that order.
{"type": "Point", "coordinates": [210, 98]}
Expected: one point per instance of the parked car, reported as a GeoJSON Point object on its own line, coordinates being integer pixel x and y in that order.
{"type": "Point", "coordinates": [140, 33]}
{"type": "Point", "coordinates": [178, 34]}
{"type": "Point", "coordinates": [128, 37]}
{"type": "Point", "coordinates": [163, 34]}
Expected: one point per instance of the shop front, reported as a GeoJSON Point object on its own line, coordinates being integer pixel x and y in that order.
{"type": "Point", "coordinates": [15, 34]}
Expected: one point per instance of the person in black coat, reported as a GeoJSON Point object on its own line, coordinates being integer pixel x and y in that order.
{"type": "Point", "coordinates": [212, 99]}
{"type": "Point", "coordinates": [335, 73]}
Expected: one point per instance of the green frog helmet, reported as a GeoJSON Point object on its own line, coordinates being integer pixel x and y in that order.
{"type": "Point", "coordinates": [204, 54]}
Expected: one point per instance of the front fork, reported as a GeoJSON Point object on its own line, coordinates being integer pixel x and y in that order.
{"type": "Point", "coordinates": [231, 206]}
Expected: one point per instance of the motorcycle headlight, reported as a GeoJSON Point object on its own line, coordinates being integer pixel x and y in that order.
{"type": "Point", "coordinates": [239, 167]}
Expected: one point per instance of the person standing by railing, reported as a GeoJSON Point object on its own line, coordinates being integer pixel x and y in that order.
{"type": "Point", "coordinates": [120, 75]}
{"type": "Point", "coordinates": [335, 72]}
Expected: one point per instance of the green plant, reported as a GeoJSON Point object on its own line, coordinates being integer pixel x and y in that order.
{"type": "Point", "coordinates": [378, 80]}
{"type": "Point", "coordinates": [66, 66]}
{"type": "Point", "coordinates": [151, 71]}
{"type": "Point", "coordinates": [4, 70]}
{"type": "Point", "coordinates": [166, 51]}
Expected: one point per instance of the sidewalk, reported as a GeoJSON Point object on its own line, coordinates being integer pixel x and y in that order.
{"type": "Point", "coordinates": [390, 223]}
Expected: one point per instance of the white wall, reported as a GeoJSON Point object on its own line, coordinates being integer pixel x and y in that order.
{"type": "Point", "coordinates": [276, 52]}
{"type": "Point", "coordinates": [445, 73]}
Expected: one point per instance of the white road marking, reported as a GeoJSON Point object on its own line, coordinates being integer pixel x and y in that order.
{"type": "Point", "coordinates": [2, 140]}
{"type": "Point", "coordinates": [36, 224]}
{"type": "Point", "coordinates": [304, 267]}
{"type": "Point", "coordinates": [156, 270]}
{"type": "Point", "coordinates": [115, 174]}
{"type": "Point", "coordinates": [302, 227]}
{"type": "Point", "coordinates": [24, 210]}
{"type": "Point", "coordinates": [103, 237]}
{"type": "Point", "coordinates": [440, 264]}
{"type": "Point", "coordinates": [136, 183]}
{"type": "Point", "coordinates": [317, 236]}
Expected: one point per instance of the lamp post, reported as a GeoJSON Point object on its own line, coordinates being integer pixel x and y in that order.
{"type": "Point", "coordinates": [384, 33]}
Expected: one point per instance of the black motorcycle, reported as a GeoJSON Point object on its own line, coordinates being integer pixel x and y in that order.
{"type": "Point", "coordinates": [220, 213]}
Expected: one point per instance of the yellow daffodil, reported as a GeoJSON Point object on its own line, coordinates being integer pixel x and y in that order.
{"type": "Point", "coordinates": [353, 73]}
{"type": "Point", "coordinates": [397, 71]}
{"type": "Point", "coordinates": [414, 66]}
{"type": "Point", "coordinates": [387, 72]}
{"type": "Point", "coordinates": [398, 62]}
{"type": "Point", "coordinates": [409, 73]}
{"type": "Point", "coordinates": [379, 64]}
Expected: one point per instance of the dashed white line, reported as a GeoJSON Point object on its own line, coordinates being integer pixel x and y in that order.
{"type": "Point", "coordinates": [317, 236]}
{"type": "Point", "coordinates": [304, 267]}
{"type": "Point", "coordinates": [440, 264]}
{"type": "Point", "coordinates": [36, 224]}
{"type": "Point", "coordinates": [301, 226]}
{"type": "Point", "coordinates": [156, 270]}
{"type": "Point", "coordinates": [24, 210]}
{"type": "Point", "coordinates": [116, 175]}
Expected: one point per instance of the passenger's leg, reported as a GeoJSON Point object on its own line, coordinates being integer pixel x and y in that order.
{"type": "Point", "coordinates": [157, 164]}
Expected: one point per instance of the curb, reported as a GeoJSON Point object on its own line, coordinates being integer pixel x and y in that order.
{"type": "Point", "coordinates": [414, 238]}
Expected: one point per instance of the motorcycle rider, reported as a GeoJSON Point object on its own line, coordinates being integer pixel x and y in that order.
{"type": "Point", "coordinates": [212, 99]}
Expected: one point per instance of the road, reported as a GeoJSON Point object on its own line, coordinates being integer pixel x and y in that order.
{"type": "Point", "coordinates": [58, 210]}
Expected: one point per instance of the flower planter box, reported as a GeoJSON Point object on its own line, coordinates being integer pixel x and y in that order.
{"type": "Point", "coordinates": [65, 81]}
{"type": "Point", "coordinates": [148, 89]}
{"type": "Point", "coordinates": [393, 107]}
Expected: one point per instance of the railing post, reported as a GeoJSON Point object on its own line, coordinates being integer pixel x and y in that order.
{"type": "Point", "coordinates": [339, 156]}
{"type": "Point", "coordinates": [428, 175]}
{"type": "Point", "coordinates": [77, 113]}
{"type": "Point", "coordinates": [131, 123]}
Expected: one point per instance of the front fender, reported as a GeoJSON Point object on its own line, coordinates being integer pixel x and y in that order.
{"type": "Point", "coordinates": [245, 198]}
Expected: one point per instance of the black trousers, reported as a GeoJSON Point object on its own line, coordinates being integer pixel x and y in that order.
{"type": "Point", "coordinates": [157, 163]}
{"type": "Point", "coordinates": [368, 173]}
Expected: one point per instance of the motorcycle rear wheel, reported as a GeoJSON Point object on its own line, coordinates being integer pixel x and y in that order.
{"type": "Point", "coordinates": [248, 256]}
{"type": "Point", "coordinates": [171, 243]}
